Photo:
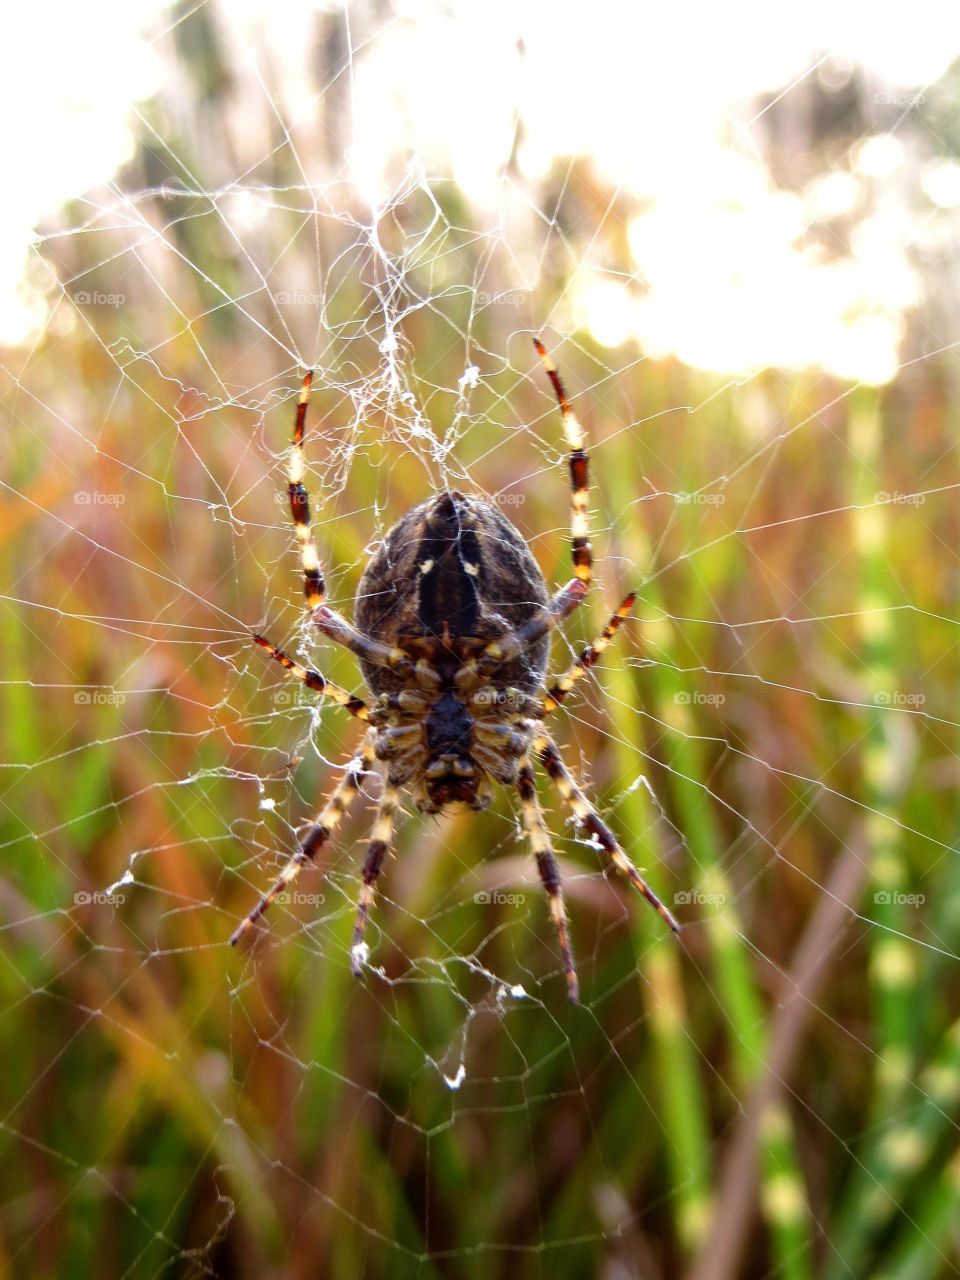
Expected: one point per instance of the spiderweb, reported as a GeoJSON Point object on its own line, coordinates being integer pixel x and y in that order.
{"type": "Point", "coordinates": [741, 272]}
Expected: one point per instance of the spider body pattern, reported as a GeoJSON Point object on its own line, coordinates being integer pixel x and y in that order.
{"type": "Point", "coordinates": [452, 577]}
{"type": "Point", "coordinates": [452, 630]}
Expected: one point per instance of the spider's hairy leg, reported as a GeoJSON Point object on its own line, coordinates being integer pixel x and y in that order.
{"type": "Point", "coordinates": [378, 849]}
{"type": "Point", "coordinates": [560, 687]}
{"type": "Point", "coordinates": [563, 603]}
{"type": "Point", "coordinates": [505, 648]}
{"type": "Point", "coordinates": [335, 627]}
{"type": "Point", "coordinates": [314, 587]}
{"type": "Point", "coordinates": [316, 837]}
{"type": "Point", "coordinates": [549, 756]}
{"type": "Point", "coordinates": [314, 680]}
{"type": "Point", "coordinates": [507, 740]}
{"type": "Point", "coordinates": [579, 472]}
{"type": "Point", "coordinates": [539, 839]}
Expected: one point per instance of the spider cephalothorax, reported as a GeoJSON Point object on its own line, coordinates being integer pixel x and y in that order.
{"type": "Point", "coordinates": [452, 628]}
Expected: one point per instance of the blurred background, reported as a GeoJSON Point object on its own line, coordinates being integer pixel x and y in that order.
{"type": "Point", "coordinates": [740, 238]}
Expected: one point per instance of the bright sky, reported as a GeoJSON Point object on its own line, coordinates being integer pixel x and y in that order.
{"type": "Point", "coordinates": [67, 82]}
{"type": "Point", "coordinates": [646, 91]}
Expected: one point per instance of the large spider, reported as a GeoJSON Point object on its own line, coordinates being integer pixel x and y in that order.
{"type": "Point", "coordinates": [452, 629]}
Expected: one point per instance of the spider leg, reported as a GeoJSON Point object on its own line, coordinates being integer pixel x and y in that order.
{"type": "Point", "coordinates": [336, 627]}
{"type": "Point", "coordinates": [316, 837]}
{"type": "Point", "coordinates": [539, 838]}
{"type": "Point", "coordinates": [314, 680]}
{"type": "Point", "coordinates": [331, 623]}
{"type": "Point", "coordinates": [563, 603]}
{"type": "Point", "coordinates": [549, 756]}
{"type": "Point", "coordinates": [314, 587]}
{"type": "Point", "coordinates": [579, 472]}
{"type": "Point", "coordinates": [506, 647]}
{"type": "Point", "coordinates": [377, 850]}
{"type": "Point", "coordinates": [559, 689]}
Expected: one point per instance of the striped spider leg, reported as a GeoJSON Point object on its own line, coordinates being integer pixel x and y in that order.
{"type": "Point", "coordinates": [548, 754]}
{"type": "Point", "coordinates": [539, 837]}
{"type": "Point", "coordinates": [318, 834]}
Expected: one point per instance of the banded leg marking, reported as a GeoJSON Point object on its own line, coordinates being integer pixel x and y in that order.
{"type": "Point", "coordinates": [314, 587]}
{"type": "Point", "coordinates": [539, 838]}
{"type": "Point", "coordinates": [377, 850]}
{"type": "Point", "coordinates": [316, 837]}
{"type": "Point", "coordinates": [579, 472]}
{"type": "Point", "coordinates": [562, 686]}
{"type": "Point", "coordinates": [314, 680]}
{"type": "Point", "coordinates": [584, 812]}
{"type": "Point", "coordinates": [572, 594]}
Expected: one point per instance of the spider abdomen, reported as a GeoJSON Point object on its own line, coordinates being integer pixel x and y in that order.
{"type": "Point", "coordinates": [454, 569]}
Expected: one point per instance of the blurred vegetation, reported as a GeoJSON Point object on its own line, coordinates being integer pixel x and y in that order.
{"type": "Point", "coordinates": [775, 738]}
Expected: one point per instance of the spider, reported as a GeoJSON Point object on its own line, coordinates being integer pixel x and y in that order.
{"type": "Point", "coordinates": [452, 628]}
